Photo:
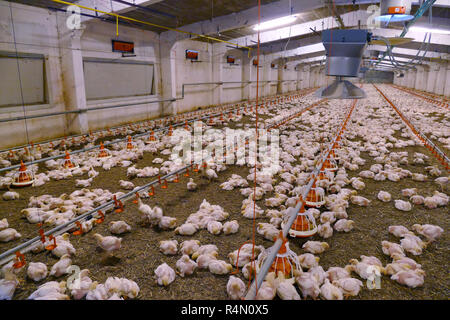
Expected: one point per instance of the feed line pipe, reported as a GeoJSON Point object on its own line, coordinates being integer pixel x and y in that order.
{"type": "Point", "coordinates": [32, 243]}
{"type": "Point", "coordinates": [116, 140]}
{"type": "Point", "coordinates": [441, 156]}
{"type": "Point", "coordinates": [251, 293]}
{"type": "Point", "coordinates": [81, 110]}
{"type": "Point", "coordinates": [428, 99]}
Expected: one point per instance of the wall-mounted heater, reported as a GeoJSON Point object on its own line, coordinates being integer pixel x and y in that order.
{"type": "Point", "coordinates": [192, 55]}
{"type": "Point", "coordinates": [344, 49]}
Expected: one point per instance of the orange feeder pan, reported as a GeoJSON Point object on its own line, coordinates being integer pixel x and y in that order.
{"type": "Point", "coordinates": [286, 261]}
{"type": "Point", "coordinates": [130, 145]}
{"type": "Point", "coordinates": [304, 225]}
{"type": "Point", "coordinates": [333, 153]}
{"type": "Point", "coordinates": [104, 153]}
{"type": "Point", "coordinates": [330, 165]}
{"type": "Point", "coordinates": [315, 197]}
{"type": "Point", "coordinates": [68, 164]}
{"type": "Point", "coordinates": [23, 177]}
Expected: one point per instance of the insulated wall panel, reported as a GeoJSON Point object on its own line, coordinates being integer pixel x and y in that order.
{"type": "Point", "coordinates": [22, 77]}
{"type": "Point", "coordinates": [105, 79]}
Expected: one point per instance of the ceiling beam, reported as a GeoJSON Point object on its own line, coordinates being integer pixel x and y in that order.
{"type": "Point", "coordinates": [332, 6]}
{"type": "Point", "coordinates": [249, 17]}
{"type": "Point", "coordinates": [110, 6]}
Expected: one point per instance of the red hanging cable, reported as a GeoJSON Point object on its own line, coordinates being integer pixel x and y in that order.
{"type": "Point", "coordinates": [256, 154]}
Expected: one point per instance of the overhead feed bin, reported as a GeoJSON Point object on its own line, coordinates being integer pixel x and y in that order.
{"type": "Point", "coordinates": [344, 50]}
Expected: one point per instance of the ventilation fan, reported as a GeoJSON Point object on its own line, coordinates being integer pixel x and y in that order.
{"type": "Point", "coordinates": [344, 52]}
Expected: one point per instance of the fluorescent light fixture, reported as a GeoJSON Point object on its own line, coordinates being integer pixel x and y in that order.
{"type": "Point", "coordinates": [275, 23]}
{"type": "Point", "coordinates": [425, 29]}
{"type": "Point", "coordinates": [394, 18]}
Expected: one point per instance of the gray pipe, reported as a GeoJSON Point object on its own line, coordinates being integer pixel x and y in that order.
{"type": "Point", "coordinates": [251, 293]}
{"type": "Point", "coordinates": [81, 110]}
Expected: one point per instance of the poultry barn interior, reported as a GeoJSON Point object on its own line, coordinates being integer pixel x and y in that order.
{"type": "Point", "coordinates": [224, 150]}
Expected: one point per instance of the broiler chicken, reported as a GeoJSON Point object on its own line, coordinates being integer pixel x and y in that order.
{"type": "Point", "coordinates": [165, 275]}
{"type": "Point", "coordinates": [185, 266]}
{"type": "Point", "coordinates": [315, 247]}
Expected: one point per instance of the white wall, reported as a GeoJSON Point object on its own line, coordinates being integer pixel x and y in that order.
{"type": "Point", "coordinates": [40, 31]}
{"type": "Point", "coordinates": [34, 32]}
{"type": "Point", "coordinates": [96, 43]}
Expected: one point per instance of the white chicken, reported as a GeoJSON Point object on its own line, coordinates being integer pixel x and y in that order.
{"type": "Point", "coordinates": [10, 195]}
{"type": "Point", "coordinates": [127, 185]}
{"type": "Point", "coordinates": [335, 273]}
{"type": "Point", "coordinates": [230, 227]}
{"type": "Point", "coordinates": [315, 247]}
{"type": "Point", "coordinates": [4, 224]}
{"type": "Point", "coordinates": [268, 289]}
{"type": "Point", "coordinates": [119, 227]}
{"type": "Point", "coordinates": [349, 286]}
{"type": "Point", "coordinates": [214, 227]}
{"type": "Point", "coordinates": [205, 259]}
{"type": "Point", "coordinates": [185, 266]}
{"type": "Point", "coordinates": [308, 260]}
{"type": "Point", "coordinates": [344, 225]}
{"type": "Point", "coordinates": [189, 246]}
{"type": "Point", "coordinates": [52, 289]}
{"type": "Point", "coordinates": [360, 201]}
{"type": "Point", "coordinates": [220, 267]}
{"type": "Point", "coordinates": [8, 285]}
{"type": "Point", "coordinates": [81, 285]}
{"type": "Point", "coordinates": [168, 247]}
{"type": "Point", "coordinates": [419, 177]}
{"type": "Point", "coordinates": [285, 288]}
{"type": "Point", "coordinates": [412, 244]}
{"type": "Point", "coordinates": [403, 205]}
{"type": "Point", "coordinates": [329, 291]}
{"type": "Point", "coordinates": [409, 192]}
{"type": "Point", "coordinates": [384, 196]}
{"type": "Point", "coordinates": [363, 269]}
{"type": "Point", "coordinates": [108, 243]}
{"type": "Point", "coordinates": [308, 285]}
{"type": "Point", "coordinates": [390, 248]}
{"type": "Point", "coordinates": [325, 230]}
{"type": "Point", "coordinates": [235, 288]}
{"type": "Point", "coordinates": [416, 199]}
{"type": "Point", "coordinates": [410, 278]}
{"type": "Point", "coordinates": [37, 271]}
{"type": "Point", "coordinates": [186, 229]}
{"type": "Point", "coordinates": [165, 275]}
{"type": "Point", "coordinates": [191, 185]}
{"type": "Point", "coordinates": [166, 223]}
{"type": "Point", "coordinates": [399, 231]}
{"type": "Point", "coordinates": [60, 268]}
{"type": "Point", "coordinates": [9, 234]}
{"type": "Point", "coordinates": [429, 231]}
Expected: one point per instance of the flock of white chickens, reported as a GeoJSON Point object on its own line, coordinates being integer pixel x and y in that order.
{"type": "Point", "coordinates": [373, 130]}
